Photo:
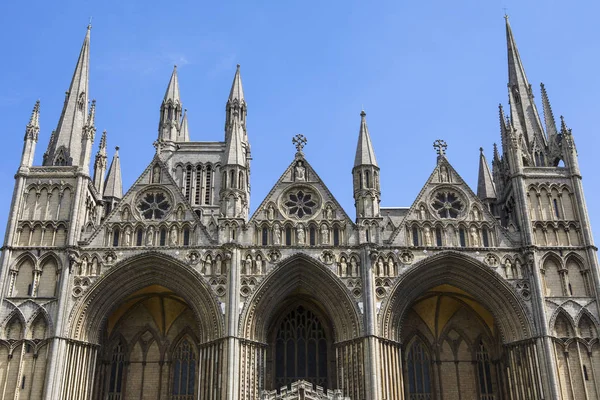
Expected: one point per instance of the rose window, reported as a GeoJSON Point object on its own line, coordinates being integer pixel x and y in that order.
{"type": "Point", "coordinates": [154, 205]}
{"type": "Point", "coordinates": [447, 204]}
{"type": "Point", "coordinates": [300, 203]}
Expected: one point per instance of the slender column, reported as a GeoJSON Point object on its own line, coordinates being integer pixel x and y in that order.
{"type": "Point", "coordinates": [370, 318]}
{"type": "Point", "coordinates": [233, 364]}
{"type": "Point", "coordinates": [585, 390]}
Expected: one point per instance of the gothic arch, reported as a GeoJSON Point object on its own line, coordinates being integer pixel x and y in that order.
{"type": "Point", "coordinates": [42, 314]}
{"type": "Point", "coordinates": [300, 275]}
{"type": "Point", "coordinates": [459, 270]}
{"type": "Point", "coordinates": [136, 273]}
{"type": "Point", "coordinates": [562, 322]}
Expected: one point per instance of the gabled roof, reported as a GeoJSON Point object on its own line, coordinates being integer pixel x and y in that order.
{"type": "Point", "coordinates": [286, 181]}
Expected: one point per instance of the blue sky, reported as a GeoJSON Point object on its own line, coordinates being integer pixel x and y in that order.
{"type": "Point", "coordinates": [421, 70]}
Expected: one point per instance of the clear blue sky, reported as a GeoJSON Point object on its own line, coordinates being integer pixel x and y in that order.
{"type": "Point", "coordinates": [422, 70]}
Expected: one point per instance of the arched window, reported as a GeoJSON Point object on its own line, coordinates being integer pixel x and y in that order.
{"type": "Point", "coordinates": [265, 236]}
{"type": "Point", "coordinates": [438, 236]}
{"type": "Point", "coordinates": [367, 180]}
{"type": "Point", "coordinates": [486, 239]}
{"type": "Point", "coordinates": [198, 188]}
{"type": "Point", "coordinates": [186, 236]}
{"type": "Point", "coordinates": [139, 240]}
{"type": "Point", "coordinates": [312, 236]}
{"type": "Point", "coordinates": [462, 237]}
{"type": "Point", "coordinates": [224, 183]}
{"type": "Point", "coordinates": [419, 377]}
{"type": "Point", "coordinates": [207, 189]}
{"type": "Point", "coordinates": [163, 237]}
{"type": "Point", "coordinates": [115, 388]}
{"type": "Point", "coordinates": [301, 349]}
{"type": "Point", "coordinates": [367, 233]}
{"type": "Point", "coordinates": [484, 372]}
{"type": "Point", "coordinates": [115, 237]}
{"type": "Point", "coordinates": [232, 178]}
{"type": "Point", "coordinates": [336, 236]}
{"type": "Point", "coordinates": [184, 372]}
{"type": "Point", "coordinates": [415, 236]}
{"type": "Point", "coordinates": [241, 180]}
{"type": "Point", "coordinates": [288, 236]}
{"type": "Point", "coordinates": [555, 203]}
{"type": "Point", "coordinates": [188, 182]}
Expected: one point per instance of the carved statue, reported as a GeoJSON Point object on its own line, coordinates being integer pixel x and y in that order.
{"type": "Point", "coordinates": [353, 267]}
{"type": "Point", "coordinates": [379, 269]}
{"type": "Point", "coordinates": [247, 267]}
{"type": "Point", "coordinates": [83, 266]}
{"type": "Point", "coordinates": [128, 236]}
{"type": "Point", "coordinates": [276, 235]}
{"type": "Point", "coordinates": [343, 266]}
{"type": "Point", "coordinates": [173, 239]}
{"type": "Point", "coordinates": [324, 234]}
{"type": "Point", "coordinates": [423, 213]}
{"type": "Point", "coordinates": [300, 171]}
{"type": "Point", "coordinates": [444, 174]}
{"type": "Point", "coordinates": [301, 234]}
{"type": "Point", "coordinates": [270, 212]}
{"type": "Point", "coordinates": [427, 232]}
{"type": "Point", "coordinates": [208, 265]}
{"type": "Point", "coordinates": [218, 266]}
{"type": "Point", "coordinates": [475, 214]}
{"type": "Point", "coordinates": [390, 268]}
{"type": "Point", "coordinates": [474, 237]}
{"type": "Point", "coordinates": [328, 212]}
{"type": "Point", "coordinates": [150, 236]}
{"type": "Point", "coordinates": [156, 174]}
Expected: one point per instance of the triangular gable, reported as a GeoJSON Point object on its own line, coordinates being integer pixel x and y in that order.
{"type": "Point", "coordinates": [326, 207]}
{"type": "Point", "coordinates": [127, 213]}
{"type": "Point", "coordinates": [444, 188]}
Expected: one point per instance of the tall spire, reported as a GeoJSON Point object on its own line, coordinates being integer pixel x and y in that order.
{"type": "Point", "coordinates": [234, 151]}
{"type": "Point", "coordinates": [33, 127]}
{"type": "Point", "coordinates": [100, 165]}
{"type": "Point", "coordinates": [65, 148]}
{"type": "Point", "coordinates": [184, 134]}
{"type": "Point", "coordinates": [31, 136]}
{"type": "Point", "coordinates": [236, 106]}
{"type": "Point", "coordinates": [365, 155]}
{"type": "Point", "coordinates": [172, 92]}
{"type": "Point", "coordinates": [485, 183]}
{"type": "Point", "coordinates": [114, 184]}
{"type": "Point", "coordinates": [170, 111]}
{"type": "Point", "coordinates": [523, 110]}
{"type": "Point", "coordinates": [548, 115]}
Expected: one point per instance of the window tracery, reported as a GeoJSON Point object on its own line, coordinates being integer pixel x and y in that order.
{"type": "Point", "coordinates": [447, 204]}
{"type": "Point", "coordinates": [154, 205]}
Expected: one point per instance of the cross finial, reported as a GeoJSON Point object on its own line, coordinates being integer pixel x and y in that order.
{"type": "Point", "coordinates": [299, 141]}
{"type": "Point", "coordinates": [440, 146]}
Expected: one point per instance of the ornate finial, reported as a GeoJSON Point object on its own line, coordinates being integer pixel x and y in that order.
{"type": "Point", "coordinates": [481, 150]}
{"type": "Point", "coordinates": [506, 13]}
{"type": "Point", "coordinates": [90, 24]}
{"type": "Point", "coordinates": [440, 146]}
{"type": "Point", "coordinates": [117, 148]}
{"type": "Point", "coordinates": [299, 141]}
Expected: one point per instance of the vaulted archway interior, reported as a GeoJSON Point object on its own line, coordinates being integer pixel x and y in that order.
{"type": "Point", "coordinates": [451, 347]}
{"type": "Point", "coordinates": [300, 345]}
{"type": "Point", "coordinates": [149, 348]}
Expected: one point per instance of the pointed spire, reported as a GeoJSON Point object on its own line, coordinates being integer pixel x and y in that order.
{"type": "Point", "coordinates": [365, 155]}
{"type": "Point", "coordinates": [485, 183]}
{"type": "Point", "coordinates": [184, 134]}
{"type": "Point", "coordinates": [74, 114]}
{"type": "Point", "coordinates": [237, 91]}
{"type": "Point", "coordinates": [100, 164]}
{"type": "Point", "coordinates": [91, 121]}
{"type": "Point", "coordinates": [548, 115]}
{"type": "Point", "coordinates": [172, 92]}
{"type": "Point", "coordinates": [523, 110]}
{"type": "Point", "coordinates": [234, 152]}
{"type": "Point", "coordinates": [114, 184]}
{"type": "Point", "coordinates": [496, 154]}
{"type": "Point", "coordinates": [33, 127]}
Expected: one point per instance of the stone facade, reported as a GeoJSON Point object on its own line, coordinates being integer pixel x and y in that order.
{"type": "Point", "coordinates": [172, 290]}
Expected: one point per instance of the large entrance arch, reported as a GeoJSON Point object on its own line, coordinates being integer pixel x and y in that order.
{"type": "Point", "coordinates": [149, 325]}
{"type": "Point", "coordinates": [462, 332]}
{"type": "Point", "coordinates": [301, 322]}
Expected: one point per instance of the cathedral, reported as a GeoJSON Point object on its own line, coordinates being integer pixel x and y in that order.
{"type": "Point", "coordinates": [171, 289]}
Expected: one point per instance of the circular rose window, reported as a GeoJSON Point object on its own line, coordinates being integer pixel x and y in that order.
{"type": "Point", "coordinates": [447, 204]}
{"type": "Point", "coordinates": [300, 203]}
{"type": "Point", "coordinates": [154, 204]}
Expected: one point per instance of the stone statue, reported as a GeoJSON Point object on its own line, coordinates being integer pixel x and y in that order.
{"type": "Point", "coordinates": [343, 266]}
{"type": "Point", "coordinates": [247, 265]}
{"type": "Point", "coordinates": [328, 212]}
{"type": "Point", "coordinates": [276, 235]}
{"type": "Point", "coordinates": [379, 269]}
{"type": "Point", "coordinates": [208, 265]}
{"type": "Point", "coordinates": [427, 233]}
{"type": "Point", "coordinates": [474, 237]}
{"type": "Point", "coordinates": [270, 212]}
{"type": "Point", "coordinates": [218, 266]}
{"type": "Point", "coordinates": [390, 268]}
{"type": "Point", "coordinates": [128, 236]}
{"type": "Point", "coordinates": [83, 266]}
{"type": "Point", "coordinates": [156, 174]}
{"type": "Point", "coordinates": [300, 171]}
{"type": "Point", "coordinates": [444, 174]}
{"type": "Point", "coordinates": [150, 236]}
{"type": "Point", "coordinates": [353, 267]}
{"type": "Point", "coordinates": [423, 213]}
{"type": "Point", "coordinates": [324, 234]}
{"type": "Point", "coordinates": [475, 214]}
{"type": "Point", "coordinates": [301, 234]}
{"type": "Point", "coordinates": [173, 239]}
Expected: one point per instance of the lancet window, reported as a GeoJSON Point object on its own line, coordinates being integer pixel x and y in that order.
{"type": "Point", "coordinates": [419, 376]}
{"type": "Point", "coordinates": [115, 388]}
{"type": "Point", "coordinates": [184, 372]}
